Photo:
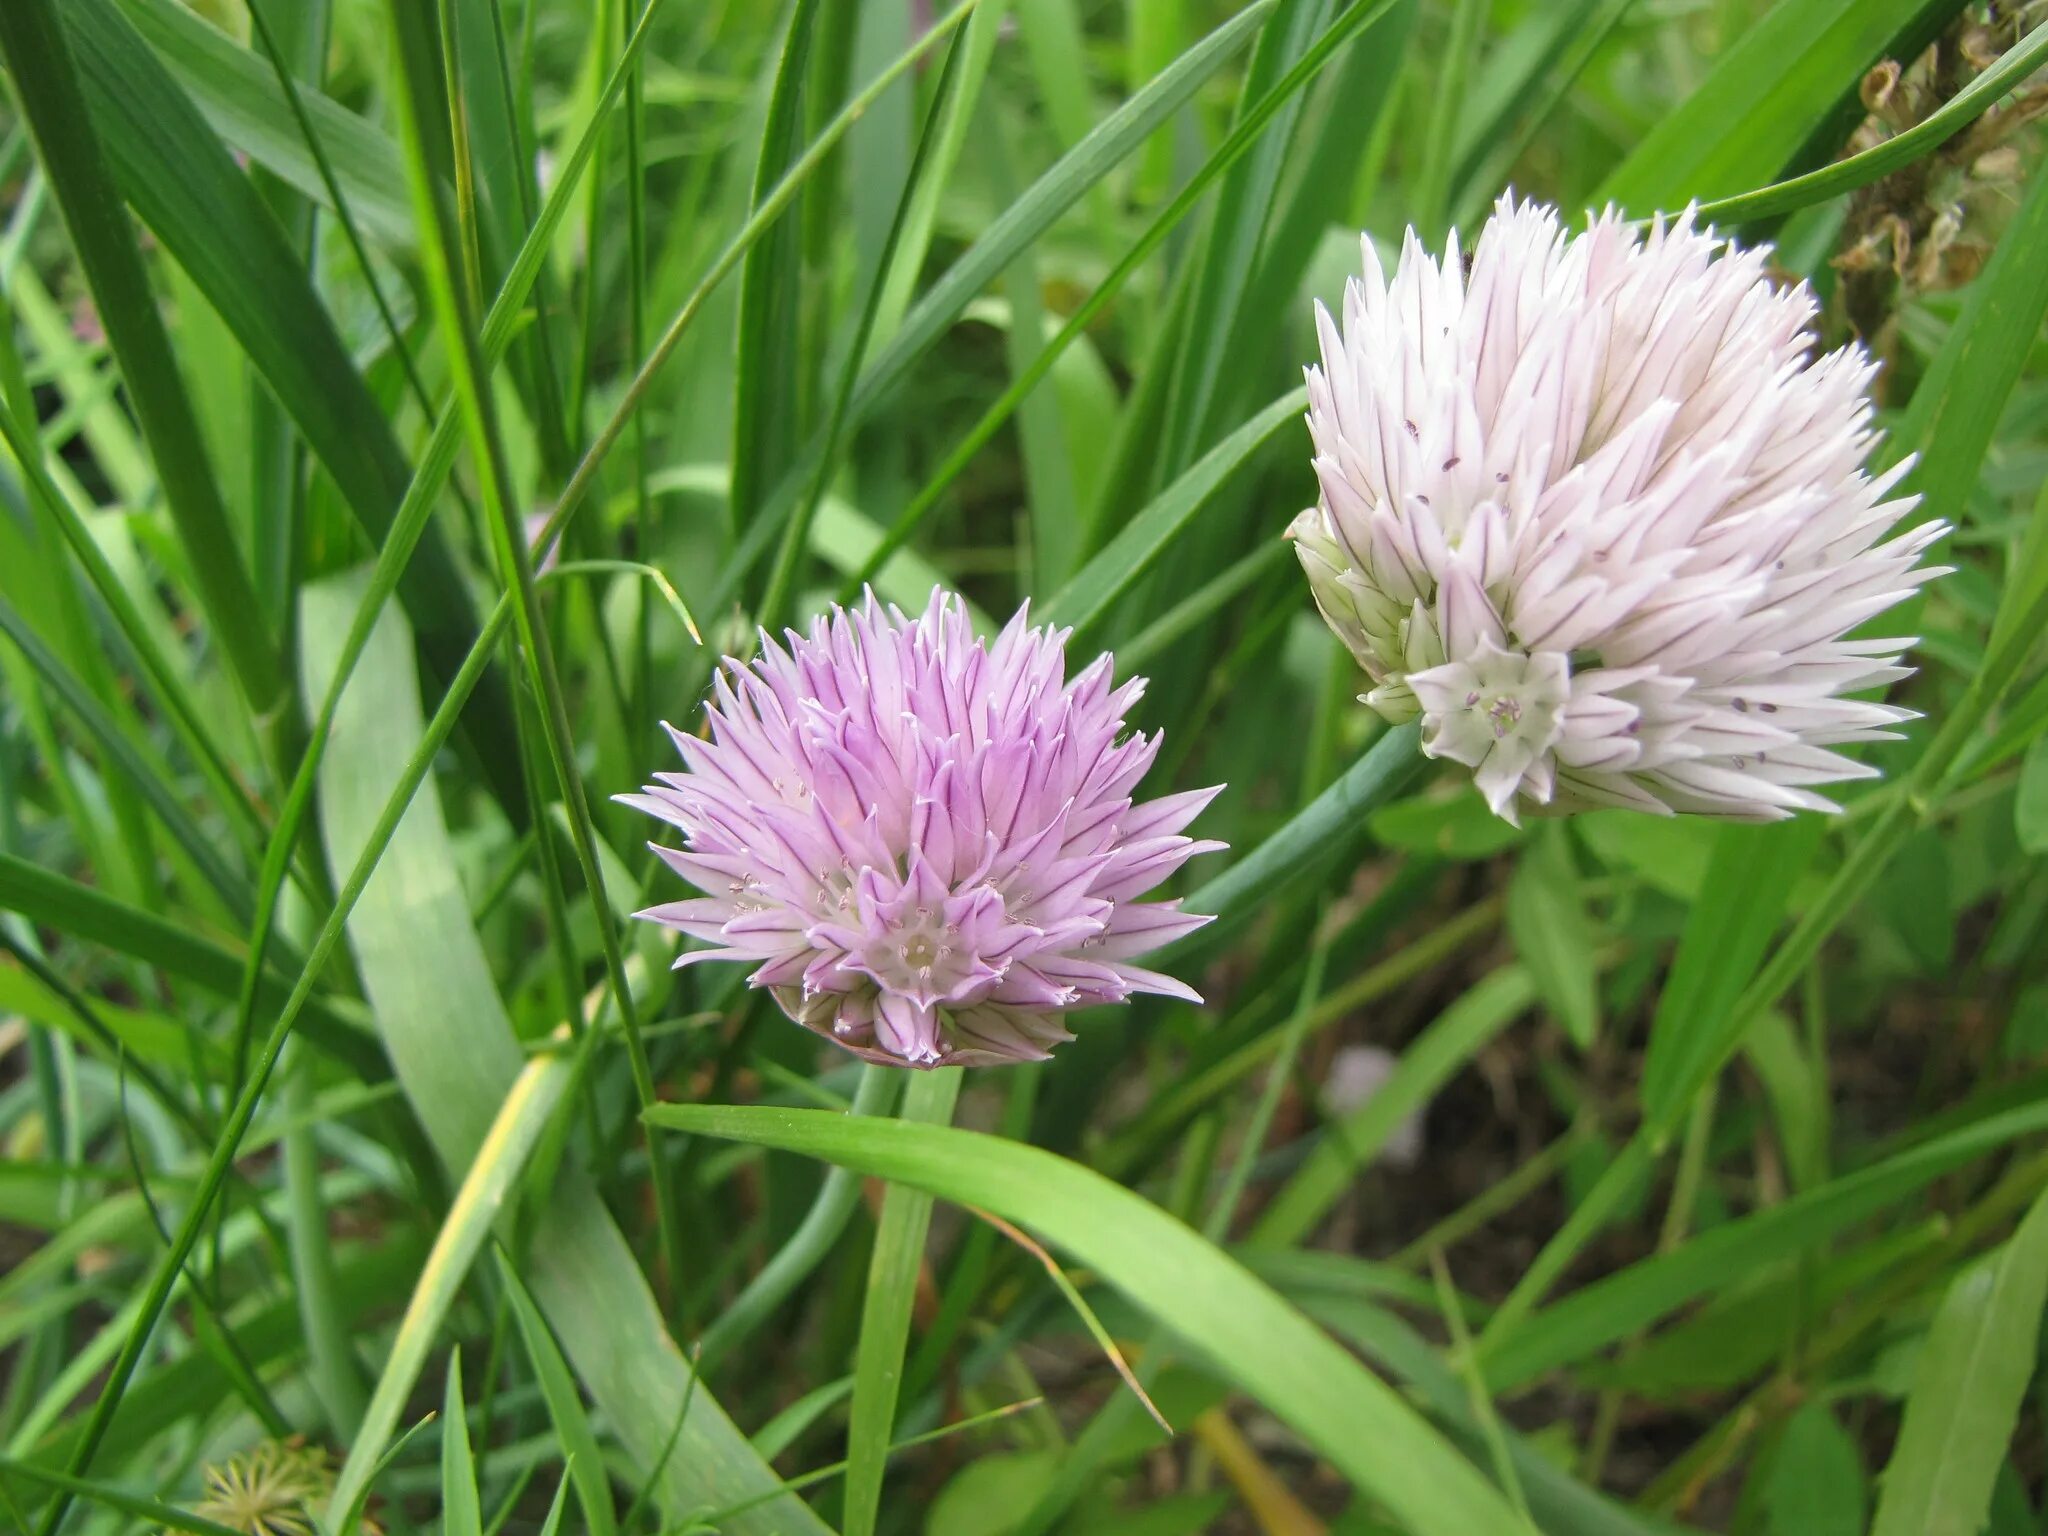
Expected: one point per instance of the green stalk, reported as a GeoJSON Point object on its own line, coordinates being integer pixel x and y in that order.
{"type": "Point", "coordinates": [807, 1246]}
{"type": "Point", "coordinates": [885, 1319]}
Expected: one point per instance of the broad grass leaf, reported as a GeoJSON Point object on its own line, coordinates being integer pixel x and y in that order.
{"type": "Point", "coordinates": [1553, 935]}
{"type": "Point", "coordinates": [1741, 903]}
{"type": "Point", "coordinates": [1816, 1485]}
{"type": "Point", "coordinates": [2030, 804]}
{"type": "Point", "coordinates": [238, 91]}
{"type": "Point", "coordinates": [1968, 1391]}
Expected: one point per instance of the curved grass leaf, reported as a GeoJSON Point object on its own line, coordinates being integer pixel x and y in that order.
{"type": "Point", "coordinates": [1246, 1332]}
{"type": "Point", "coordinates": [1866, 166]}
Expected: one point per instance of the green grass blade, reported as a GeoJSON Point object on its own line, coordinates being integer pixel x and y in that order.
{"type": "Point", "coordinates": [1968, 1391]}
{"type": "Point", "coordinates": [1923, 138]}
{"type": "Point", "coordinates": [239, 93]}
{"type": "Point", "coordinates": [1956, 405]}
{"type": "Point", "coordinates": [187, 188]}
{"type": "Point", "coordinates": [1449, 97]}
{"type": "Point", "coordinates": [461, 1509]}
{"type": "Point", "coordinates": [147, 1510]}
{"type": "Point", "coordinates": [1250, 126]}
{"type": "Point", "coordinates": [1244, 204]}
{"type": "Point", "coordinates": [1610, 1309]}
{"type": "Point", "coordinates": [93, 917]}
{"type": "Point", "coordinates": [766, 360]}
{"type": "Point", "coordinates": [1140, 542]}
{"type": "Point", "coordinates": [565, 1407]}
{"type": "Point", "coordinates": [48, 86]}
{"type": "Point", "coordinates": [1052, 505]}
{"type": "Point", "coordinates": [501, 1159]}
{"type": "Point", "coordinates": [1069, 179]}
{"type": "Point", "coordinates": [168, 685]}
{"type": "Point", "coordinates": [1233, 1321]}
{"type": "Point", "coordinates": [1315, 838]}
{"type": "Point", "coordinates": [1754, 111]}
{"type": "Point", "coordinates": [885, 1316]}
{"type": "Point", "coordinates": [150, 779]}
{"type": "Point", "coordinates": [1726, 934]}
{"type": "Point", "coordinates": [918, 179]}
{"type": "Point", "coordinates": [807, 1246]}
{"type": "Point", "coordinates": [422, 115]}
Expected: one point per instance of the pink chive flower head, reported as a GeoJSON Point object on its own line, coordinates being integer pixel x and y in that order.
{"type": "Point", "coordinates": [926, 847]}
{"type": "Point", "coordinates": [1595, 510]}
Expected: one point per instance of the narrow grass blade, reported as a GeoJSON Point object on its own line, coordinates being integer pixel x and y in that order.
{"type": "Point", "coordinates": [1141, 541]}
{"type": "Point", "coordinates": [807, 1246]}
{"type": "Point", "coordinates": [187, 188]}
{"type": "Point", "coordinates": [93, 917]}
{"type": "Point", "coordinates": [1459, 1033]}
{"type": "Point", "coordinates": [48, 87]}
{"type": "Point", "coordinates": [500, 1161]}
{"type": "Point", "coordinates": [1050, 196]}
{"type": "Point", "coordinates": [422, 116]}
{"type": "Point", "coordinates": [239, 93]}
{"type": "Point", "coordinates": [461, 1508]}
{"type": "Point", "coordinates": [1234, 1322]}
{"type": "Point", "coordinates": [1726, 935]}
{"type": "Point", "coordinates": [1244, 204]}
{"type": "Point", "coordinates": [1316, 837]}
{"type": "Point", "coordinates": [565, 1407]}
{"type": "Point", "coordinates": [1866, 166]}
{"type": "Point", "coordinates": [1755, 109]}
{"type": "Point", "coordinates": [766, 362]}
{"type": "Point", "coordinates": [1599, 1314]}
{"type": "Point", "coordinates": [146, 1510]}
{"type": "Point", "coordinates": [1956, 405]}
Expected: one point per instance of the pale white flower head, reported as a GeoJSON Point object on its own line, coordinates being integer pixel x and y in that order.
{"type": "Point", "coordinates": [1596, 510]}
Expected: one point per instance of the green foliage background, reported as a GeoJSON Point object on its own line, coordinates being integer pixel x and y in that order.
{"type": "Point", "coordinates": [362, 1165]}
